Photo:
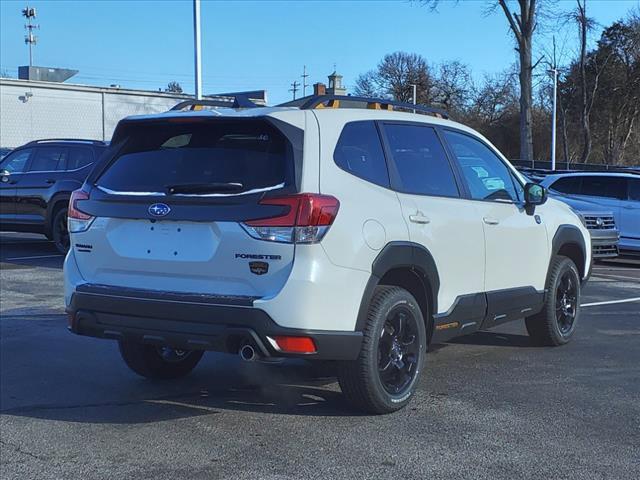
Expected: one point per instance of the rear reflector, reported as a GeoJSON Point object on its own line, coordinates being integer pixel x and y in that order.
{"type": "Point", "coordinates": [306, 219]}
{"type": "Point", "coordinates": [287, 344]}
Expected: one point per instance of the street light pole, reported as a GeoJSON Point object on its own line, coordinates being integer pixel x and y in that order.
{"type": "Point", "coordinates": [554, 71]}
{"type": "Point", "coordinates": [198, 57]}
{"type": "Point", "coordinates": [415, 96]}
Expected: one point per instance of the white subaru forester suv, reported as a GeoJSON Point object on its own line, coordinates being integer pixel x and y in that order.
{"type": "Point", "coordinates": [340, 229]}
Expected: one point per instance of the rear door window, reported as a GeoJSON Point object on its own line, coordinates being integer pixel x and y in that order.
{"type": "Point", "coordinates": [360, 153]}
{"type": "Point", "coordinates": [603, 186]}
{"type": "Point", "coordinates": [49, 159]}
{"type": "Point", "coordinates": [568, 185]}
{"type": "Point", "coordinates": [420, 160]}
{"type": "Point", "coordinates": [79, 157]}
{"type": "Point", "coordinates": [201, 157]}
{"type": "Point", "coordinates": [634, 189]}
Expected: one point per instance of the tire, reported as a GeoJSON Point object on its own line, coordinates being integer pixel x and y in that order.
{"type": "Point", "coordinates": [59, 231]}
{"type": "Point", "coordinates": [155, 362]}
{"type": "Point", "coordinates": [385, 375]}
{"type": "Point", "coordinates": [557, 322]}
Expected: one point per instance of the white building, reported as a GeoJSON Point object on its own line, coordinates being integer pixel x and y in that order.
{"type": "Point", "coordinates": [31, 110]}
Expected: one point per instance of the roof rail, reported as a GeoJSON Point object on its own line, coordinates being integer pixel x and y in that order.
{"type": "Point", "coordinates": [75, 140]}
{"type": "Point", "coordinates": [237, 101]}
{"type": "Point", "coordinates": [347, 101]}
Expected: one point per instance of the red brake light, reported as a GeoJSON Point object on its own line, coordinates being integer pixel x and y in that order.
{"type": "Point", "coordinates": [73, 211]}
{"type": "Point", "coordinates": [305, 210]}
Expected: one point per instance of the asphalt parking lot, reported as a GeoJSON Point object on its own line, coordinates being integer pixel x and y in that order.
{"type": "Point", "coordinates": [489, 406]}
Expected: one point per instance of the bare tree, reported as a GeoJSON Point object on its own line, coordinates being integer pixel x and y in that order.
{"type": "Point", "coordinates": [452, 86]}
{"type": "Point", "coordinates": [394, 77]}
{"type": "Point", "coordinates": [523, 24]}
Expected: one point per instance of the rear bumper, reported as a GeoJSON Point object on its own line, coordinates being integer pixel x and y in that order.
{"type": "Point", "coordinates": [188, 321]}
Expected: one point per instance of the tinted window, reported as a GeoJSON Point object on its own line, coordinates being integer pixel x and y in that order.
{"type": "Point", "coordinates": [359, 152]}
{"type": "Point", "coordinates": [250, 154]}
{"type": "Point", "coordinates": [570, 185]}
{"type": "Point", "coordinates": [48, 159]}
{"type": "Point", "coordinates": [420, 160]}
{"type": "Point", "coordinates": [487, 176]}
{"type": "Point", "coordinates": [634, 189]}
{"type": "Point", "coordinates": [79, 157]}
{"type": "Point", "coordinates": [611, 187]}
{"type": "Point", "coordinates": [16, 161]}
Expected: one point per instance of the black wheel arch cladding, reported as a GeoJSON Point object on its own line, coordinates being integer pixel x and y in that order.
{"type": "Point", "coordinates": [402, 255]}
{"type": "Point", "coordinates": [566, 239]}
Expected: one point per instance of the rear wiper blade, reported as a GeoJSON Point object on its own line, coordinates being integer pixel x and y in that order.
{"type": "Point", "coordinates": [214, 187]}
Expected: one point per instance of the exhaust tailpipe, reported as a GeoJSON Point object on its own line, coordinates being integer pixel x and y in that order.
{"type": "Point", "coordinates": [248, 353]}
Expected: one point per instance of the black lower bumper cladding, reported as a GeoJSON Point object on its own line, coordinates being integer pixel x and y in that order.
{"type": "Point", "coordinates": [193, 322]}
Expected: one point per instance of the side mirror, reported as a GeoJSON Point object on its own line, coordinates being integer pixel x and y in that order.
{"type": "Point", "coordinates": [534, 194]}
{"type": "Point", "coordinates": [4, 176]}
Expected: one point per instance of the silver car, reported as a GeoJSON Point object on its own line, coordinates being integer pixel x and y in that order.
{"type": "Point", "coordinates": [618, 193]}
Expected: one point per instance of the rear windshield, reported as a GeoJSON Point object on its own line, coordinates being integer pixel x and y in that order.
{"type": "Point", "coordinates": [243, 156]}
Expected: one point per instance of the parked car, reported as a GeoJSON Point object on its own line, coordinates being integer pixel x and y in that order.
{"type": "Point", "coordinates": [352, 235]}
{"type": "Point", "coordinates": [4, 152]}
{"type": "Point", "coordinates": [600, 223]}
{"type": "Point", "coordinates": [36, 181]}
{"type": "Point", "coordinates": [617, 192]}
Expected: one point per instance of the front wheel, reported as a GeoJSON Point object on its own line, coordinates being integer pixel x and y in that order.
{"type": "Point", "coordinates": [556, 323]}
{"type": "Point", "coordinates": [385, 375]}
{"type": "Point", "coordinates": [155, 362]}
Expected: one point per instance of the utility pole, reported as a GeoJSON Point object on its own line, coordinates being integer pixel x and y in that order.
{"type": "Point", "coordinates": [554, 72]}
{"type": "Point", "coordinates": [294, 88]}
{"type": "Point", "coordinates": [304, 80]}
{"type": "Point", "coordinates": [30, 39]}
{"type": "Point", "coordinates": [197, 51]}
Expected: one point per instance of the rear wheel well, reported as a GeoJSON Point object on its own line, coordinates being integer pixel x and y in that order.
{"type": "Point", "coordinates": [417, 285]}
{"type": "Point", "coordinates": [575, 253]}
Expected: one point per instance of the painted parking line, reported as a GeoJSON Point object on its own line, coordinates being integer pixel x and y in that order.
{"type": "Point", "coordinates": [615, 276]}
{"type": "Point", "coordinates": [611, 302]}
{"type": "Point", "coordinates": [30, 258]}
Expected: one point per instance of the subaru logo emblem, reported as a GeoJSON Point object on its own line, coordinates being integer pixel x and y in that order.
{"type": "Point", "coordinates": [159, 209]}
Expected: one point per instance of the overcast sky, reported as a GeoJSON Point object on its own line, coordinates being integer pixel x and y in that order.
{"type": "Point", "coordinates": [264, 45]}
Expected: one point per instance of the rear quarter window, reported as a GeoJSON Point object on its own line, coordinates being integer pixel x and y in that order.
{"type": "Point", "coordinates": [359, 152]}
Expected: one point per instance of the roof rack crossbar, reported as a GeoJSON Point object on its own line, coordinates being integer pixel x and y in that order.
{"type": "Point", "coordinates": [237, 101]}
{"type": "Point", "coordinates": [79, 140]}
{"type": "Point", "coordinates": [337, 101]}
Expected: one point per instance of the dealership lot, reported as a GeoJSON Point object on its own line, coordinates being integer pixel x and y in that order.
{"type": "Point", "coordinates": [490, 405]}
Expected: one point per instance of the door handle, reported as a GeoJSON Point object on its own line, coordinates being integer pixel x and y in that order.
{"type": "Point", "coordinates": [419, 218]}
{"type": "Point", "coordinates": [50, 181]}
{"type": "Point", "coordinates": [490, 221]}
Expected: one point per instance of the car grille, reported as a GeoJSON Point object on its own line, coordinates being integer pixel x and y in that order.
{"type": "Point", "coordinates": [600, 222]}
{"type": "Point", "coordinates": [605, 251]}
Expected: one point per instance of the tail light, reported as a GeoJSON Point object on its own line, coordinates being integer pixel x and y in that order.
{"type": "Point", "coordinates": [78, 221]}
{"type": "Point", "coordinates": [307, 219]}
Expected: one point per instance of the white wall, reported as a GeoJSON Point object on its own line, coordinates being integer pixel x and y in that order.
{"type": "Point", "coordinates": [70, 111]}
